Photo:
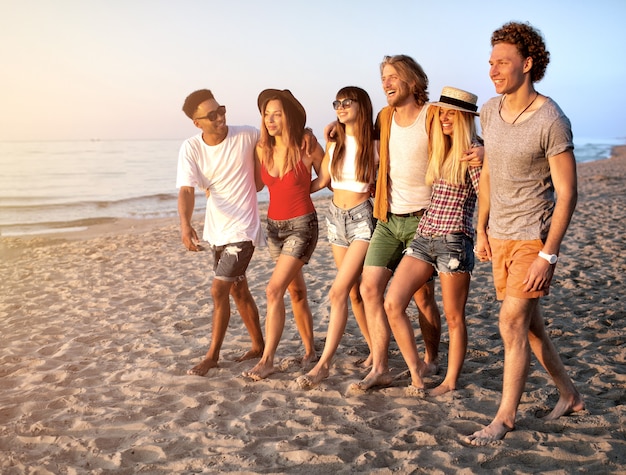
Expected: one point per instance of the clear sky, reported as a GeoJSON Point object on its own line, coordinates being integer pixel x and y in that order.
{"type": "Point", "coordinates": [120, 69]}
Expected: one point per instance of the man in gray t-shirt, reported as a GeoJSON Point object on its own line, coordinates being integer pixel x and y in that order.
{"type": "Point", "coordinates": [527, 196]}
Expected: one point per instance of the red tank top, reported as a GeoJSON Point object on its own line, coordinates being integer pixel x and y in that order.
{"type": "Point", "coordinates": [290, 197]}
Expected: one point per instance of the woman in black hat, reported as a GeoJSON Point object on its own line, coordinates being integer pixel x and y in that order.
{"type": "Point", "coordinates": [292, 227]}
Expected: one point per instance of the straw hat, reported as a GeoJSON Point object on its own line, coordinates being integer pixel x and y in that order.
{"type": "Point", "coordinates": [287, 98]}
{"type": "Point", "coordinates": [457, 99]}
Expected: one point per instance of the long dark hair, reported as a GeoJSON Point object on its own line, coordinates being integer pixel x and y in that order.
{"type": "Point", "coordinates": [364, 135]}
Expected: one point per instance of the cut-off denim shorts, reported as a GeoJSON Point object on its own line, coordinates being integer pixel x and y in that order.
{"type": "Point", "coordinates": [448, 254]}
{"type": "Point", "coordinates": [347, 225]}
{"type": "Point", "coordinates": [231, 260]}
{"type": "Point", "coordinates": [296, 237]}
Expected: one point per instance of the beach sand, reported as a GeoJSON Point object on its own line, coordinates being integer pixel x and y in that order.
{"type": "Point", "coordinates": [99, 328]}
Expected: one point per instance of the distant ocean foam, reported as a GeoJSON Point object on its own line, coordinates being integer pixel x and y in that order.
{"type": "Point", "coordinates": [56, 186]}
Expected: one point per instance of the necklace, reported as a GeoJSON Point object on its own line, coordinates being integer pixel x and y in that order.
{"type": "Point", "coordinates": [525, 108]}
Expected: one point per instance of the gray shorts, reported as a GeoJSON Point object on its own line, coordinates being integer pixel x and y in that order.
{"type": "Point", "coordinates": [296, 237]}
{"type": "Point", "coordinates": [347, 225]}
{"type": "Point", "coordinates": [231, 260]}
{"type": "Point", "coordinates": [448, 254]}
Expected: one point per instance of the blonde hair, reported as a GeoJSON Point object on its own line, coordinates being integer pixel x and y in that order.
{"type": "Point", "coordinates": [444, 151]}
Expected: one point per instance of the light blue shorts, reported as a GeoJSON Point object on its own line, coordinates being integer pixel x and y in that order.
{"type": "Point", "coordinates": [347, 225]}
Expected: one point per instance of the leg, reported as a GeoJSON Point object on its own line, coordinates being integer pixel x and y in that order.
{"type": "Point", "coordinates": [454, 290]}
{"type": "Point", "coordinates": [570, 399]}
{"type": "Point", "coordinates": [410, 275]}
{"type": "Point", "coordinates": [430, 325]}
{"type": "Point", "coordinates": [373, 286]}
{"type": "Point", "coordinates": [349, 263]}
{"type": "Point", "coordinates": [302, 315]}
{"type": "Point", "coordinates": [514, 322]}
{"type": "Point", "coordinates": [250, 315]}
{"type": "Point", "coordinates": [284, 272]}
{"type": "Point", "coordinates": [220, 290]}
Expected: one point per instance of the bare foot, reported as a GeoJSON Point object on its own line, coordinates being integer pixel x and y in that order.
{"type": "Point", "coordinates": [312, 378]}
{"type": "Point", "coordinates": [441, 389]}
{"type": "Point", "coordinates": [374, 380]}
{"type": "Point", "coordinates": [308, 360]}
{"type": "Point", "coordinates": [250, 355]}
{"type": "Point", "coordinates": [565, 407]}
{"type": "Point", "coordinates": [492, 433]}
{"type": "Point", "coordinates": [414, 391]}
{"type": "Point", "coordinates": [260, 371]}
{"type": "Point", "coordinates": [366, 363]}
{"type": "Point", "coordinates": [429, 369]}
{"type": "Point", "coordinates": [203, 367]}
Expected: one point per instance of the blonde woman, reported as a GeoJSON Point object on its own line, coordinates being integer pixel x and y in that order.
{"type": "Point", "coordinates": [349, 167]}
{"type": "Point", "coordinates": [292, 227]}
{"type": "Point", "coordinates": [443, 242]}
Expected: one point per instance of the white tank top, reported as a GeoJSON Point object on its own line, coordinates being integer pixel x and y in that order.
{"type": "Point", "coordinates": [408, 153]}
{"type": "Point", "coordinates": [348, 179]}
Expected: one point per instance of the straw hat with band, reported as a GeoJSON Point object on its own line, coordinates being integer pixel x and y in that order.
{"type": "Point", "coordinates": [296, 110]}
{"type": "Point", "coordinates": [457, 99]}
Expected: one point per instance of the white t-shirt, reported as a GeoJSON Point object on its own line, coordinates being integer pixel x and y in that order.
{"type": "Point", "coordinates": [227, 171]}
{"type": "Point", "coordinates": [408, 154]}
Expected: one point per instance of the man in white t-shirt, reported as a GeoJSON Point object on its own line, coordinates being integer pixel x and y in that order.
{"type": "Point", "coordinates": [221, 161]}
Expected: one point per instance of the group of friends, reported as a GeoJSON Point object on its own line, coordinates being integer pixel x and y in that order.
{"type": "Point", "coordinates": [405, 188]}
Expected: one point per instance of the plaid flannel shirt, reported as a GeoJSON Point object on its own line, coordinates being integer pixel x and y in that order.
{"type": "Point", "coordinates": [451, 207]}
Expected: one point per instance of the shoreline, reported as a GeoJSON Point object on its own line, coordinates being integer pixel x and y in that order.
{"type": "Point", "coordinates": [100, 326]}
{"type": "Point", "coordinates": [80, 226]}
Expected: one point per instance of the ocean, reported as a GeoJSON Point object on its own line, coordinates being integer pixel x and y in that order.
{"type": "Point", "coordinates": [58, 186]}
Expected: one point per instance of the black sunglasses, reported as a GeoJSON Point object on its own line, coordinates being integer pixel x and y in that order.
{"type": "Point", "coordinates": [345, 104]}
{"type": "Point", "coordinates": [212, 116]}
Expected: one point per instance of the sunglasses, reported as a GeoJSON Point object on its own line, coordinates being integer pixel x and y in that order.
{"type": "Point", "coordinates": [212, 116]}
{"type": "Point", "coordinates": [345, 104]}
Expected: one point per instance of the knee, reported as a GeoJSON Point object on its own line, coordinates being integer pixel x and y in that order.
{"type": "Point", "coordinates": [355, 296]}
{"type": "Point", "coordinates": [393, 309]}
{"type": "Point", "coordinates": [425, 300]}
{"type": "Point", "coordinates": [274, 293]}
{"type": "Point", "coordinates": [369, 292]}
{"type": "Point", "coordinates": [297, 294]}
{"type": "Point", "coordinates": [239, 291]}
{"type": "Point", "coordinates": [455, 321]}
{"type": "Point", "coordinates": [219, 290]}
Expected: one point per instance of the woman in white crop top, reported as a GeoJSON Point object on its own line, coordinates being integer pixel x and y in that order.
{"type": "Point", "coordinates": [349, 167]}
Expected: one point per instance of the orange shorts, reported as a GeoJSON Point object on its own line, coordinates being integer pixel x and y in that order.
{"type": "Point", "coordinates": [510, 260]}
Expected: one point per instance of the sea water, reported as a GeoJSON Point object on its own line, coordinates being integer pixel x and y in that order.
{"type": "Point", "coordinates": [64, 185]}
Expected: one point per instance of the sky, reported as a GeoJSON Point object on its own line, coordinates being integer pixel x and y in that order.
{"type": "Point", "coordinates": [121, 69]}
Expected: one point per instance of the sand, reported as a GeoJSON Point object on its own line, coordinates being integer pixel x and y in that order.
{"type": "Point", "coordinates": [99, 327]}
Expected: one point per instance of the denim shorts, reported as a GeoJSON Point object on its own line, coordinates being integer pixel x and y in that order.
{"type": "Point", "coordinates": [231, 260]}
{"type": "Point", "coordinates": [389, 241]}
{"type": "Point", "coordinates": [296, 237]}
{"type": "Point", "coordinates": [448, 254]}
{"type": "Point", "coordinates": [347, 225]}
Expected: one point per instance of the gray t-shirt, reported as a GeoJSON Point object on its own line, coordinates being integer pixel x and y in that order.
{"type": "Point", "coordinates": [522, 193]}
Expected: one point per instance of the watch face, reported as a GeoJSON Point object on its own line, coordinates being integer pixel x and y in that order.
{"type": "Point", "coordinates": [553, 259]}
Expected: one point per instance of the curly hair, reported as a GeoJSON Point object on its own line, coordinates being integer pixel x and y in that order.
{"type": "Point", "coordinates": [529, 43]}
{"type": "Point", "coordinates": [194, 99]}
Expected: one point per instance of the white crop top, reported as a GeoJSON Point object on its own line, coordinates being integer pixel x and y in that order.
{"type": "Point", "coordinates": [348, 180]}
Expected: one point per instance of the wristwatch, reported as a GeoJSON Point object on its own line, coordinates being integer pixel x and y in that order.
{"type": "Point", "coordinates": [551, 258]}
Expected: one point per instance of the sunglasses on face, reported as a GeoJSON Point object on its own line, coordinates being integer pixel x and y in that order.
{"type": "Point", "coordinates": [212, 116]}
{"type": "Point", "coordinates": [345, 104]}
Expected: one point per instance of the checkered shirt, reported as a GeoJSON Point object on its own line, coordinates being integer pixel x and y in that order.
{"type": "Point", "coordinates": [451, 207]}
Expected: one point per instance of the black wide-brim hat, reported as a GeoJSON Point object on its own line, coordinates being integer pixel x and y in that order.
{"type": "Point", "coordinates": [285, 96]}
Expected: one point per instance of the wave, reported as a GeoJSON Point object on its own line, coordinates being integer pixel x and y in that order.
{"type": "Point", "coordinates": [52, 203]}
